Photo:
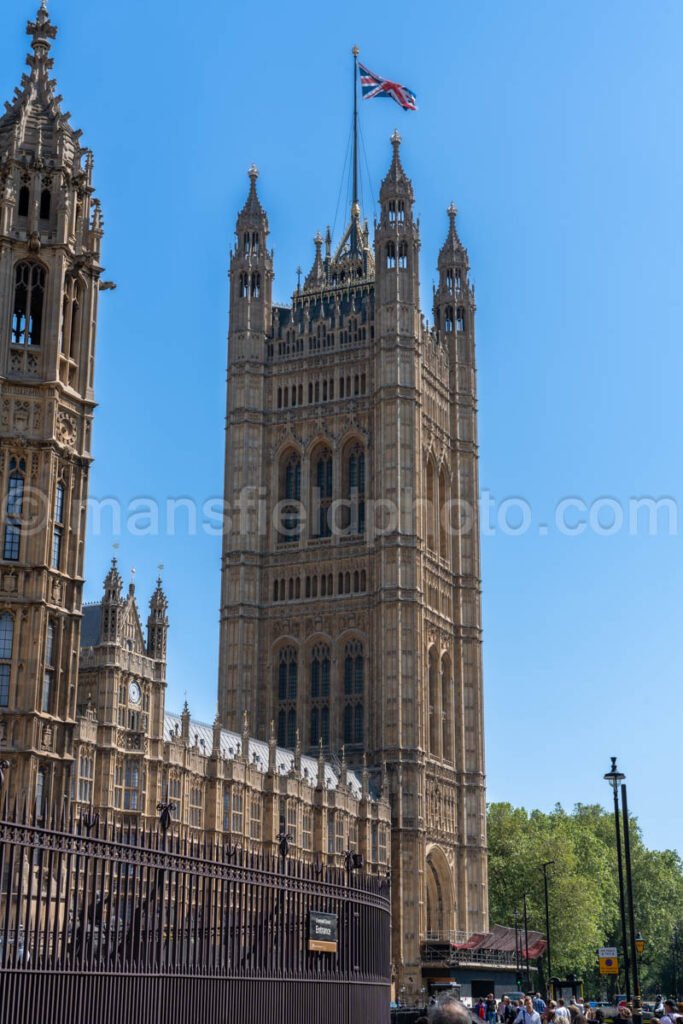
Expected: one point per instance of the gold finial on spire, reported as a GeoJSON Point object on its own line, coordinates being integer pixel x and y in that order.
{"type": "Point", "coordinates": [253, 173]}
{"type": "Point", "coordinates": [355, 51]}
{"type": "Point", "coordinates": [452, 211]}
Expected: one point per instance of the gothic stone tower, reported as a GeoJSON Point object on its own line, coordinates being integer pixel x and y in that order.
{"type": "Point", "coordinates": [50, 235]}
{"type": "Point", "coordinates": [351, 594]}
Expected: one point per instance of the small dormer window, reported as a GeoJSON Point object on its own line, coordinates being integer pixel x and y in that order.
{"type": "Point", "coordinates": [391, 256]}
{"type": "Point", "coordinates": [45, 204]}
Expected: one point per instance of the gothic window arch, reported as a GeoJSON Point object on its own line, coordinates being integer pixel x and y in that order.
{"type": "Point", "coordinates": [443, 514]}
{"type": "Point", "coordinates": [430, 504]}
{"type": "Point", "coordinates": [322, 489]}
{"type": "Point", "coordinates": [460, 322]}
{"type": "Point", "coordinates": [450, 279]}
{"type": "Point", "coordinates": [289, 528]}
{"type": "Point", "coordinates": [448, 320]}
{"type": "Point", "coordinates": [14, 507]}
{"type": "Point", "coordinates": [58, 526]}
{"type": "Point", "coordinates": [403, 256]}
{"type": "Point", "coordinates": [391, 255]}
{"type": "Point", "coordinates": [255, 285]}
{"type": "Point", "coordinates": [244, 286]}
{"type": "Point", "coordinates": [49, 667]}
{"type": "Point", "coordinates": [448, 712]}
{"type": "Point", "coordinates": [246, 242]}
{"type": "Point", "coordinates": [27, 312]}
{"type": "Point", "coordinates": [6, 644]}
{"type": "Point", "coordinates": [353, 480]}
{"type": "Point", "coordinates": [254, 242]}
{"type": "Point", "coordinates": [392, 211]}
{"type": "Point", "coordinates": [287, 692]}
{"type": "Point", "coordinates": [434, 704]}
{"type": "Point", "coordinates": [320, 695]}
{"type": "Point", "coordinates": [354, 689]}
{"type": "Point", "coordinates": [71, 317]}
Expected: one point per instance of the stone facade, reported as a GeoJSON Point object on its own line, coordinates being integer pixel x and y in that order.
{"type": "Point", "coordinates": [351, 581]}
{"type": "Point", "coordinates": [350, 638]}
{"type": "Point", "coordinates": [83, 723]}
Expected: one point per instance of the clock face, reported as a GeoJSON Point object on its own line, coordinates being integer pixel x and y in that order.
{"type": "Point", "coordinates": [134, 693]}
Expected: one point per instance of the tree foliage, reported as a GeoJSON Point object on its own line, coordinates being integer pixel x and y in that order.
{"type": "Point", "coordinates": [583, 888]}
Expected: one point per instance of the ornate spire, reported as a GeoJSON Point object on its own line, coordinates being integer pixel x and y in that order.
{"type": "Point", "coordinates": [252, 212]}
{"type": "Point", "coordinates": [272, 750]}
{"type": "Point", "coordinates": [33, 119]}
{"type": "Point", "coordinates": [316, 275]}
{"type": "Point", "coordinates": [157, 623]}
{"type": "Point", "coordinates": [113, 583]}
{"type": "Point", "coordinates": [452, 251]}
{"type": "Point", "coordinates": [397, 182]}
{"type": "Point", "coordinates": [321, 765]}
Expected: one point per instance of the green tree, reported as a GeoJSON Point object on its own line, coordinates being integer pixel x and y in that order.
{"type": "Point", "coordinates": [583, 890]}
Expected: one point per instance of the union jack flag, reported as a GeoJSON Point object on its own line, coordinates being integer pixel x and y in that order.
{"type": "Point", "coordinates": [372, 85]}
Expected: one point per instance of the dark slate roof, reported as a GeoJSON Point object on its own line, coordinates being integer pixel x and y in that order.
{"type": "Point", "coordinates": [90, 626]}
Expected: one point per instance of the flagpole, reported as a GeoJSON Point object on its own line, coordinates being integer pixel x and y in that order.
{"type": "Point", "coordinates": [355, 53]}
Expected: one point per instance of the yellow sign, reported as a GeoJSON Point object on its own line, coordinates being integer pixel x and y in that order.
{"type": "Point", "coordinates": [640, 945]}
{"type": "Point", "coordinates": [609, 965]}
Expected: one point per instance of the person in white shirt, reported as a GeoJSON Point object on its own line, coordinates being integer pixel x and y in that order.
{"type": "Point", "coordinates": [671, 1016]}
{"type": "Point", "coordinates": [562, 1013]}
{"type": "Point", "coordinates": [527, 1015]}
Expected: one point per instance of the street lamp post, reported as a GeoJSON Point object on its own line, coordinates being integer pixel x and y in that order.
{"type": "Point", "coordinates": [545, 867]}
{"type": "Point", "coordinates": [614, 777]}
{"type": "Point", "coordinates": [526, 947]}
{"type": "Point", "coordinates": [631, 908]}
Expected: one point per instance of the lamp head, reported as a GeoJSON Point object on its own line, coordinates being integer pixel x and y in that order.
{"type": "Point", "coordinates": [614, 776]}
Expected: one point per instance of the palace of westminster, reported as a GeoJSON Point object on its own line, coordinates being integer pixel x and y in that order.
{"type": "Point", "coordinates": [350, 681]}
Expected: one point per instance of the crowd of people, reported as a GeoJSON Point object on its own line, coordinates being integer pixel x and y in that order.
{"type": "Point", "coordinates": [535, 1010]}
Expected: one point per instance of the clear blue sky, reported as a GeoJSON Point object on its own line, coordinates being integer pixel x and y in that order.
{"type": "Point", "coordinates": [556, 127]}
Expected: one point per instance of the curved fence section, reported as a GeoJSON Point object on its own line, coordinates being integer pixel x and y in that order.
{"type": "Point", "coordinates": [103, 923]}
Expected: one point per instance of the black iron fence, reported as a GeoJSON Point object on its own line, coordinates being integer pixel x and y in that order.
{"type": "Point", "coordinates": [105, 923]}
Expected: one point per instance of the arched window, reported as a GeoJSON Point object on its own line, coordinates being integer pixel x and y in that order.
{"type": "Point", "coordinates": [27, 315]}
{"type": "Point", "coordinates": [443, 514]}
{"type": "Point", "coordinates": [246, 242]}
{"type": "Point", "coordinates": [6, 642]}
{"type": "Point", "coordinates": [255, 285]}
{"type": "Point", "coordinates": [434, 705]}
{"type": "Point", "coordinates": [450, 279]}
{"type": "Point", "coordinates": [71, 319]}
{"type": "Point", "coordinates": [392, 211]}
{"type": "Point", "coordinates": [448, 320]}
{"type": "Point", "coordinates": [430, 510]}
{"type": "Point", "coordinates": [290, 490]}
{"type": "Point", "coordinates": [400, 211]}
{"type": "Point", "coordinates": [321, 498]}
{"type": "Point", "coordinates": [58, 528]}
{"type": "Point", "coordinates": [391, 255]}
{"type": "Point", "coordinates": [24, 200]}
{"type": "Point", "coordinates": [354, 686]}
{"type": "Point", "coordinates": [403, 256]}
{"type": "Point", "coordinates": [14, 507]}
{"type": "Point", "coordinates": [49, 667]}
{"type": "Point", "coordinates": [41, 786]}
{"type": "Point", "coordinates": [354, 487]}
{"type": "Point", "coordinates": [460, 322]}
{"type": "Point", "coordinates": [254, 241]}
{"type": "Point", "coordinates": [287, 689]}
{"type": "Point", "coordinates": [45, 203]}
{"type": "Point", "coordinates": [320, 695]}
{"type": "Point", "coordinates": [448, 710]}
